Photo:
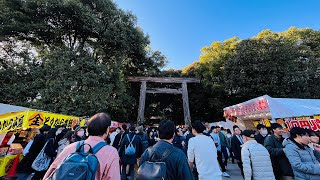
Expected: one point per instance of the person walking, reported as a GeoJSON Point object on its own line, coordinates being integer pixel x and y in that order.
{"type": "Point", "coordinates": [128, 160]}
{"type": "Point", "coordinates": [117, 140]}
{"type": "Point", "coordinates": [49, 150]}
{"type": "Point", "coordinates": [203, 152]}
{"type": "Point", "coordinates": [280, 163]}
{"type": "Point", "coordinates": [143, 137]}
{"type": "Point", "coordinates": [177, 167]}
{"type": "Point", "coordinates": [236, 143]}
{"type": "Point", "coordinates": [65, 141]}
{"type": "Point", "coordinates": [114, 134]}
{"type": "Point", "coordinates": [229, 136]}
{"type": "Point", "coordinates": [216, 138]}
{"type": "Point", "coordinates": [98, 129]}
{"type": "Point", "coordinates": [24, 168]}
{"type": "Point", "coordinates": [224, 144]}
{"type": "Point", "coordinates": [304, 161]}
{"type": "Point", "coordinates": [255, 158]}
{"type": "Point", "coordinates": [79, 134]}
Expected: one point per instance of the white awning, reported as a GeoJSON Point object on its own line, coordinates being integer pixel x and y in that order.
{"type": "Point", "coordinates": [268, 107]}
{"type": "Point", "coordinates": [6, 108]}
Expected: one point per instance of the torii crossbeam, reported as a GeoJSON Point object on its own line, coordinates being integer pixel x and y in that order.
{"type": "Point", "coordinates": [183, 90]}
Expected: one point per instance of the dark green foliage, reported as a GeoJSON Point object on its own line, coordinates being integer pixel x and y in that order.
{"type": "Point", "coordinates": [72, 56]}
{"type": "Point", "coordinates": [282, 64]}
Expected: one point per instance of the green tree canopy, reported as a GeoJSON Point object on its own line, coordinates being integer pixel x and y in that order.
{"type": "Point", "coordinates": [280, 64]}
{"type": "Point", "coordinates": [72, 56]}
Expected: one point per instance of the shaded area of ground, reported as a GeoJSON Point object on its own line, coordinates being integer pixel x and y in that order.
{"type": "Point", "coordinates": [234, 172]}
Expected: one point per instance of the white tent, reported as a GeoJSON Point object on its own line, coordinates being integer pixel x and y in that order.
{"type": "Point", "coordinates": [6, 108]}
{"type": "Point", "coordinates": [266, 107]}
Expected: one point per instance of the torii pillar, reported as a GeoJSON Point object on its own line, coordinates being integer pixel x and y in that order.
{"type": "Point", "coordinates": [183, 91]}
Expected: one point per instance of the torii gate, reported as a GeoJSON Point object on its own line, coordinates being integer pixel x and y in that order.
{"type": "Point", "coordinates": [183, 91]}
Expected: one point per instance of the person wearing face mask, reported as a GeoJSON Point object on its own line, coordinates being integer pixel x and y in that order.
{"type": "Point", "coordinates": [263, 132]}
{"type": "Point", "coordinates": [114, 134]}
{"type": "Point", "coordinates": [314, 141]}
{"type": "Point", "coordinates": [305, 162]}
{"type": "Point", "coordinates": [78, 134]}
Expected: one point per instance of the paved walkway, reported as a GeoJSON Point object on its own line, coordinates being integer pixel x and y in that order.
{"type": "Point", "coordinates": [234, 172]}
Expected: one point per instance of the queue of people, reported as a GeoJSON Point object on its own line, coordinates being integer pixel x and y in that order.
{"type": "Point", "coordinates": [169, 152]}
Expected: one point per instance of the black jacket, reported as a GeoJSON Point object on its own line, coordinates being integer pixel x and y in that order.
{"type": "Point", "coordinates": [280, 163]}
{"type": "Point", "coordinates": [177, 165]}
{"type": "Point", "coordinates": [188, 137]}
{"type": "Point", "coordinates": [260, 139]}
{"type": "Point", "coordinates": [136, 142]}
{"type": "Point", "coordinates": [177, 142]}
{"type": "Point", "coordinates": [236, 147]}
{"type": "Point", "coordinates": [117, 140]}
{"type": "Point", "coordinates": [25, 164]}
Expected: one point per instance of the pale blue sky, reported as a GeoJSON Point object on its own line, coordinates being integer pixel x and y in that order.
{"type": "Point", "coordinates": [180, 28]}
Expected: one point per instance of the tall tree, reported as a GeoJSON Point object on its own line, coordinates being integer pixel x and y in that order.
{"type": "Point", "coordinates": [77, 55]}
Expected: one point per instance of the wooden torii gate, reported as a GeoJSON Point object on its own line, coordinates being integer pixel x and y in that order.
{"type": "Point", "coordinates": [183, 90]}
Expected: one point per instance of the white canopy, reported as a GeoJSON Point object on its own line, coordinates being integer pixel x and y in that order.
{"type": "Point", "coordinates": [6, 108]}
{"type": "Point", "coordinates": [268, 107]}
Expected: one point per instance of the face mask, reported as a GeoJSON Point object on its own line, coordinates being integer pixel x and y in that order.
{"type": "Point", "coordinates": [286, 135]}
{"type": "Point", "coordinates": [118, 131]}
{"type": "Point", "coordinates": [229, 135]}
{"type": "Point", "coordinates": [264, 132]}
{"type": "Point", "coordinates": [80, 133]}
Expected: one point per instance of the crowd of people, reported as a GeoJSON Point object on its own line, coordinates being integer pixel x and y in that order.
{"type": "Point", "coordinates": [197, 152]}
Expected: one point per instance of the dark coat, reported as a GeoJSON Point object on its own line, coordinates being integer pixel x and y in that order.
{"type": "Point", "coordinates": [280, 163]}
{"type": "Point", "coordinates": [117, 140]}
{"type": "Point", "coordinates": [151, 141]}
{"type": "Point", "coordinates": [125, 142]}
{"type": "Point", "coordinates": [260, 139]}
{"type": "Point", "coordinates": [188, 137]}
{"type": "Point", "coordinates": [236, 147]}
{"type": "Point", "coordinates": [144, 141]}
{"type": "Point", "coordinates": [25, 164]}
{"type": "Point", "coordinates": [50, 149]}
{"type": "Point", "coordinates": [177, 165]}
{"type": "Point", "coordinates": [177, 142]}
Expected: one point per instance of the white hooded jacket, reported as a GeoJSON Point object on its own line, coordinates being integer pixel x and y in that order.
{"type": "Point", "coordinates": [256, 161]}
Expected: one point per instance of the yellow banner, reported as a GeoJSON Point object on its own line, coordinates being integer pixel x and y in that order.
{"type": "Point", "coordinates": [11, 121]}
{"type": "Point", "coordinates": [36, 119]}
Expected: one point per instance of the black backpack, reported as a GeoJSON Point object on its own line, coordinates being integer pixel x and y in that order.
{"type": "Point", "coordinates": [144, 142]}
{"type": "Point", "coordinates": [154, 169]}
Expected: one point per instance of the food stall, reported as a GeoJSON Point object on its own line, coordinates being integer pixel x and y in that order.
{"type": "Point", "coordinates": [19, 124]}
{"type": "Point", "coordinates": [289, 112]}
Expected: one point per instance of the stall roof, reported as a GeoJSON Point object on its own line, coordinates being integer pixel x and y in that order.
{"type": "Point", "coordinates": [7, 108]}
{"type": "Point", "coordinates": [284, 107]}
